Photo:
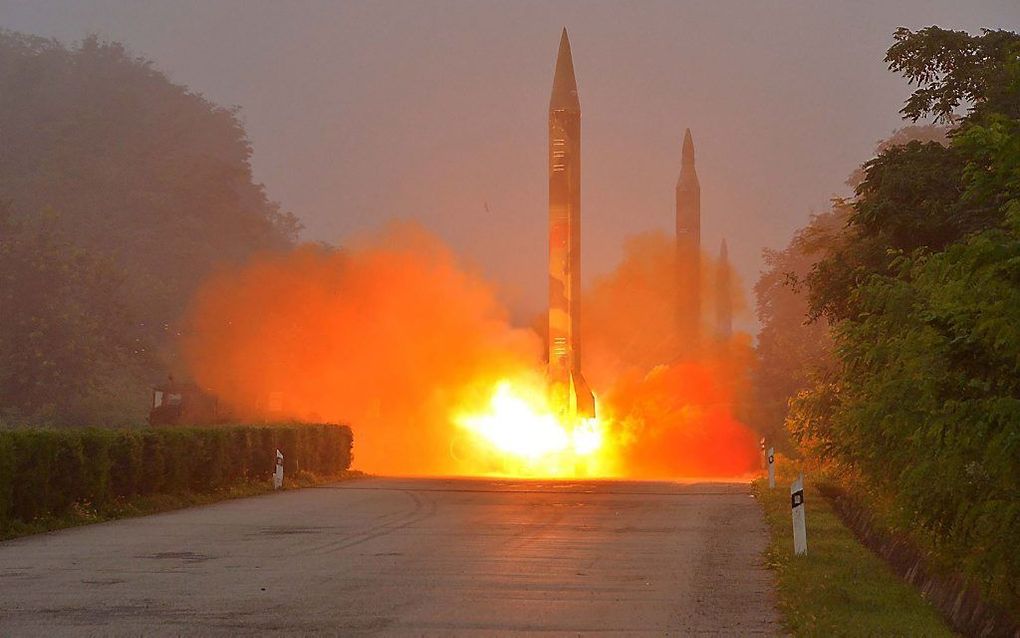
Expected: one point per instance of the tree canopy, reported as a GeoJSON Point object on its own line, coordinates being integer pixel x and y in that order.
{"type": "Point", "coordinates": [99, 149]}
{"type": "Point", "coordinates": [953, 67]}
{"type": "Point", "coordinates": [922, 296]}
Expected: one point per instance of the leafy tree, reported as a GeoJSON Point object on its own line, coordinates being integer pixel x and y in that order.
{"type": "Point", "coordinates": [792, 352]}
{"type": "Point", "coordinates": [910, 199]}
{"type": "Point", "coordinates": [929, 401]}
{"type": "Point", "coordinates": [133, 166]}
{"type": "Point", "coordinates": [63, 328]}
{"type": "Point", "coordinates": [795, 353]}
{"type": "Point", "coordinates": [924, 301]}
{"type": "Point", "coordinates": [130, 190]}
{"type": "Point", "coordinates": [953, 67]}
{"type": "Point", "coordinates": [910, 196]}
{"type": "Point", "coordinates": [902, 136]}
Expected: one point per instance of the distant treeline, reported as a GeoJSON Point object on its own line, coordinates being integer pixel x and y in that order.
{"type": "Point", "coordinates": [119, 192]}
{"type": "Point", "coordinates": [44, 474]}
{"type": "Point", "coordinates": [890, 344]}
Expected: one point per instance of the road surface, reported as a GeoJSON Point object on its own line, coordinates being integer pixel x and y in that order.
{"type": "Point", "coordinates": [408, 557]}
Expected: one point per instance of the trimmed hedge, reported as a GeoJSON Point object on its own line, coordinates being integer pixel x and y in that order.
{"type": "Point", "coordinates": [46, 473]}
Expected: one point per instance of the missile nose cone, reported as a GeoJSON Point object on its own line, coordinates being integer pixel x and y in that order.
{"type": "Point", "coordinates": [688, 179]}
{"type": "Point", "coordinates": [688, 151]}
{"type": "Point", "coordinates": [564, 90]}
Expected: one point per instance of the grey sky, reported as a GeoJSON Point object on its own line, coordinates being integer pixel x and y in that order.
{"type": "Point", "coordinates": [364, 112]}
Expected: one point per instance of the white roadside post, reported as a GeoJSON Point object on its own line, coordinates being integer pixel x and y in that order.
{"type": "Point", "coordinates": [278, 475]}
{"type": "Point", "coordinates": [772, 468]}
{"type": "Point", "coordinates": [762, 457]}
{"type": "Point", "coordinates": [799, 527]}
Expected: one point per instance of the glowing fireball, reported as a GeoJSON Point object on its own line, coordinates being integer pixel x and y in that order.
{"type": "Point", "coordinates": [518, 427]}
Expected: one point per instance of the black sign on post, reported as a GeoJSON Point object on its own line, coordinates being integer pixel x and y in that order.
{"type": "Point", "coordinates": [772, 467]}
{"type": "Point", "coordinates": [797, 509]}
{"type": "Point", "coordinates": [797, 498]}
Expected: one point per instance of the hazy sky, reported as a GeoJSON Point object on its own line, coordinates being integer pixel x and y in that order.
{"type": "Point", "coordinates": [437, 111]}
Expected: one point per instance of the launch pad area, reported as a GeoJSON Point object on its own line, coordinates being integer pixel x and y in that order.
{"type": "Point", "coordinates": [408, 557]}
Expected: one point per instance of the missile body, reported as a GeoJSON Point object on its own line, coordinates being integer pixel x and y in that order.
{"type": "Point", "coordinates": [723, 303]}
{"type": "Point", "coordinates": [688, 249]}
{"type": "Point", "coordinates": [569, 393]}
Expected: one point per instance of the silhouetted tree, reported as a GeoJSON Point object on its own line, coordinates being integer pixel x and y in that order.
{"type": "Point", "coordinates": [951, 68]}
{"type": "Point", "coordinates": [64, 332]}
{"type": "Point", "coordinates": [132, 165]}
{"type": "Point", "coordinates": [132, 169]}
{"type": "Point", "coordinates": [793, 352]}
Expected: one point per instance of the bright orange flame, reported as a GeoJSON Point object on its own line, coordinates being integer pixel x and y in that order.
{"type": "Point", "coordinates": [394, 336]}
{"type": "Point", "coordinates": [522, 435]}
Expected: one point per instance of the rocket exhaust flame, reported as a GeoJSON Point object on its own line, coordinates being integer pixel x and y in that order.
{"type": "Point", "coordinates": [521, 428]}
{"type": "Point", "coordinates": [516, 427]}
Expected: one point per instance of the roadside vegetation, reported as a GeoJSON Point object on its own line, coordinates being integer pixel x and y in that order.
{"type": "Point", "coordinates": [59, 478]}
{"type": "Point", "coordinates": [83, 513]}
{"type": "Point", "coordinates": [839, 588]}
{"type": "Point", "coordinates": [890, 350]}
{"type": "Point", "coordinates": [120, 192]}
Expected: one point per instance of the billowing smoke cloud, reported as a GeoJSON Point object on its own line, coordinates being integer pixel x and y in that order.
{"type": "Point", "coordinates": [670, 403]}
{"type": "Point", "coordinates": [385, 335]}
{"type": "Point", "coordinates": [395, 337]}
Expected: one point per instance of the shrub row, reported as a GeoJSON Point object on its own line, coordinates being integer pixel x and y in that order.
{"type": "Point", "coordinates": [45, 473]}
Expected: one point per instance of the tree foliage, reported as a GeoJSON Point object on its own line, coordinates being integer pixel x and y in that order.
{"type": "Point", "coordinates": [804, 285]}
{"type": "Point", "coordinates": [64, 330]}
{"type": "Point", "coordinates": [923, 297]}
{"type": "Point", "coordinates": [132, 165]}
{"type": "Point", "coordinates": [929, 401]}
{"type": "Point", "coordinates": [953, 67]}
{"type": "Point", "coordinates": [792, 352]}
{"type": "Point", "coordinates": [902, 136]}
{"type": "Point", "coordinates": [119, 166]}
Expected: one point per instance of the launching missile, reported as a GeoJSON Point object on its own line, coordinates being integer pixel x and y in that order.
{"type": "Point", "coordinates": [688, 248]}
{"type": "Point", "coordinates": [569, 392]}
{"type": "Point", "coordinates": [723, 304]}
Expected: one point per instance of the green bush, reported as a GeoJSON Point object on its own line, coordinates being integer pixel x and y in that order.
{"type": "Point", "coordinates": [46, 473]}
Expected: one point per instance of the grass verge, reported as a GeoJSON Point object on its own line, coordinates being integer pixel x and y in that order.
{"type": "Point", "coordinates": [839, 588]}
{"type": "Point", "coordinates": [84, 514]}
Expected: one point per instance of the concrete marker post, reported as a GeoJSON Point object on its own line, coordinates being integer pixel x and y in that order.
{"type": "Point", "coordinates": [772, 468]}
{"type": "Point", "coordinates": [278, 474]}
{"type": "Point", "coordinates": [799, 524]}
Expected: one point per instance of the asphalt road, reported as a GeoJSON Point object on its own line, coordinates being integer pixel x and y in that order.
{"type": "Point", "coordinates": [408, 557]}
